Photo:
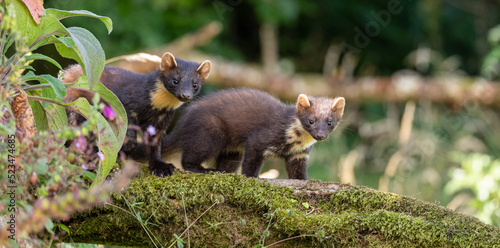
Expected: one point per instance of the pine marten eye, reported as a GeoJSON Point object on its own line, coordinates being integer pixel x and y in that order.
{"type": "Point", "coordinates": [330, 123]}
{"type": "Point", "coordinates": [175, 81]}
{"type": "Point", "coordinates": [311, 122]}
{"type": "Point", "coordinates": [195, 85]}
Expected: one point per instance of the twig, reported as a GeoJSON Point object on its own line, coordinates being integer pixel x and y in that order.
{"type": "Point", "coordinates": [192, 223]}
{"type": "Point", "coordinates": [135, 216]}
{"type": "Point", "coordinates": [283, 240]}
{"type": "Point", "coordinates": [185, 215]}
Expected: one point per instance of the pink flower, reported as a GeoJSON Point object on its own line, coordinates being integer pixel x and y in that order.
{"type": "Point", "coordinates": [109, 113]}
{"type": "Point", "coordinates": [81, 143]}
{"type": "Point", "coordinates": [100, 155]}
{"type": "Point", "coordinates": [151, 130]}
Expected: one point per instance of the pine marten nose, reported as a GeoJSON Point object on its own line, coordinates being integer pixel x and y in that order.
{"type": "Point", "coordinates": [321, 136]}
{"type": "Point", "coordinates": [186, 96]}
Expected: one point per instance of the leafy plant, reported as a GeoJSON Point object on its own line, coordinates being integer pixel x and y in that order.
{"type": "Point", "coordinates": [51, 181]}
{"type": "Point", "coordinates": [22, 35]}
{"type": "Point", "coordinates": [480, 174]}
{"type": "Point", "coordinates": [491, 63]}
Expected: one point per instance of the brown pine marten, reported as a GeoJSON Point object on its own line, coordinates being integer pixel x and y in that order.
{"type": "Point", "coordinates": [149, 99]}
{"type": "Point", "coordinates": [243, 126]}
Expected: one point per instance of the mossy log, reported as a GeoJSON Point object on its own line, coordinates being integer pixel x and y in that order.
{"type": "Point", "coordinates": [231, 210]}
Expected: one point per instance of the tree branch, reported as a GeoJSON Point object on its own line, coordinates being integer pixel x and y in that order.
{"type": "Point", "coordinates": [398, 88]}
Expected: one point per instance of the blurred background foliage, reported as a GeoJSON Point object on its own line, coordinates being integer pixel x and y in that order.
{"type": "Point", "coordinates": [373, 146]}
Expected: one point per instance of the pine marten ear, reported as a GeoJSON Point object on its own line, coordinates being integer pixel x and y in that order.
{"type": "Point", "coordinates": [167, 62]}
{"type": "Point", "coordinates": [204, 69]}
{"type": "Point", "coordinates": [303, 102]}
{"type": "Point", "coordinates": [338, 105]}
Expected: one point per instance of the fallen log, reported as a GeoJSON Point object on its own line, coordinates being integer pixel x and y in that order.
{"type": "Point", "coordinates": [227, 210]}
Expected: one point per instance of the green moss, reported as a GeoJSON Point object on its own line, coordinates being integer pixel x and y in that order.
{"type": "Point", "coordinates": [419, 223]}
{"type": "Point", "coordinates": [351, 217]}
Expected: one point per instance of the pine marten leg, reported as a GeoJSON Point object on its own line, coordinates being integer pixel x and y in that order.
{"type": "Point", "coordinates": [229, 161]}
{"type": "Point", "coordinates": [296, 167]}
{"type": "Point", "coordinates": [252, 161]}
{"type": "Point", "coordinates": [156, 164]}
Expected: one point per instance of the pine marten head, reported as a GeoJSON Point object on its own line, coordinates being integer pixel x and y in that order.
{"type": "Point", "coordinates": [319, 115]}
{"type": "Point", "coordinates": [179, 81]}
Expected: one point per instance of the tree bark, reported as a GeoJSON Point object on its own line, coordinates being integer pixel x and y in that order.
{"type": "Point", "coordinates": [227, 210]}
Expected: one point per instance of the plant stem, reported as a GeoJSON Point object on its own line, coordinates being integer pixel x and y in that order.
{"type": "Point", "coordinates": [66, 105]}
{"type": "Point", "coordinates": [268, 225]}
{"type": "Point", "coordinates": [37, 87]}
{"type": "Point", "coordinates": [192, 223]}
{"type": "Point", "coordinates": [283, 240]}
{"type": "Point", "coordinates": [185, 215]}
{"type": "Point", "coordinates": [150, 218]}
{"type": "Point", "coordinates": [133, 213]}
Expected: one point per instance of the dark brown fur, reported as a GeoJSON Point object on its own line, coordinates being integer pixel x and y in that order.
{"type": "Point", "coordinates": [148, 99]}
{"type": "Point", "coordinates": [243, 126]}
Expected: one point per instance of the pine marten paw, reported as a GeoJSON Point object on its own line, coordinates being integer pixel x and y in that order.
{"type": "Point", "coordinates": [161, 169]}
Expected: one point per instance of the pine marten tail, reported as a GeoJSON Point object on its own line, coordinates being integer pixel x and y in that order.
{"type": "Point", "coordinates": [72, 73]}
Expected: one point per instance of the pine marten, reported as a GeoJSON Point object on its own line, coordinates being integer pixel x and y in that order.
{"type": "Point", "coordinates": [149, 99]}
{"type": "Point", "coordinates": [243, 126]}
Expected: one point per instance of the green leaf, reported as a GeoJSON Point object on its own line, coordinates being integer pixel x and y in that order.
{"type": "Point", "coordinates": [56, 116]}
{"type": "Point", "coordinates": [179, 241]}
{"type": "Point", "coordinates": [57, 40]}
{"type": "Point", "coordinates": [49, 226]}
{"type": "Point", "coordinates": [51, 116]}
{"type": "Point", "coordinates": [90, 52]}
{"type": "Point", "coordinates": [9, 40]}
{"type": "Point", "coordinates": [40, 117]}
{"type": "Point", "coordinates": [24, 21]}
{"type": "Point", "coordinates": [306, 205]}
{"type": "Point", "coordinates": [50, 94]}
{"type": "Point", "coordinates": [68, 41]}
{"type": "Point", "coordinates": [89, 175]}
{"type": "Point", "coordinates": [37, 56]}
{"type": "Point", "coordinates": [68, 52]}
{"type": "Point", "coordinates": [82, 105]}
{"type": "Point", "coordinates": [120, 126]}
{"type": "Point", "coordinates": [28, 68]}
{"type": "Point", "coordinates": [490, 63]}
{"type": "Point", "coordinates": [109, 146]}
{"type": "Point", "coordinates": [494, 35]}
{"type": "Point", "coordinates": [49, 25]}
{"type": "Point", "coordinates": [61, 14]}
{"type": "Point", "coordinates": [64, 227]}
{"type": "Point", "coordinates": [107, 141]}
{"type": "Point", "coordinates": [55, 83]}
{"type": "Point", "coordinates": [41, 167]}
